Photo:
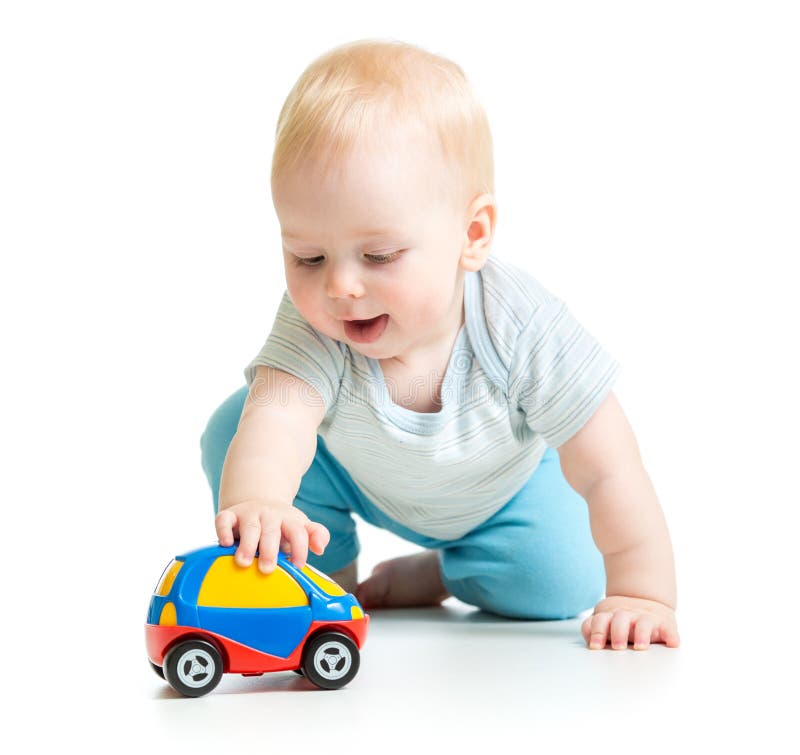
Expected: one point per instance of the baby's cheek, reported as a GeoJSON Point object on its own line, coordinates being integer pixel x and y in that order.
{"type": "Point", "coordinates": [308, 305]}
{"type": "Point", "coordinates": [435, 307]}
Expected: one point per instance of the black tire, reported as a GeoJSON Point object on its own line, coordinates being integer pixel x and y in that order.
{"type": "Point", "coordinates": [193, 668]}
{"type": "Point", "coordinates": [157, 669]}
{"type": "Point", "coordinates": [330, 660]}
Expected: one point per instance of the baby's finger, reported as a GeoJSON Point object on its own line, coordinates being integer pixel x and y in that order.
{"type": "Point", "coordinates": [620, 630]}
{"type": "Point", "coordinates": [298, 543]}
{"type": "Point", "coordinates": [318, 537]}
{"type": "Point", "coordinates": [586, 629]}
{"type": "Point", "coordinates": [249, 532]}
{"type": "Point", "coordinates": [669, 636]}
{"type": "Point", "coordinates": [268, 545]}
{"type": "Point", "coordinates": [599, 630]}
{"type": "Point", "coordinates": [642, 633]}
{"type": "Point", "coordinates": [224, 523]}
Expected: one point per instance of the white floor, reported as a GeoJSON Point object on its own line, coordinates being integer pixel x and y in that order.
{"type": "Point", "coordinates": [454, 674]}
{"type": "Point", "coordinates": [428, 676]}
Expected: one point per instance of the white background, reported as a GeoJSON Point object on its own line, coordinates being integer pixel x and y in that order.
{"type": "Point", "coordinates": [647, 171]}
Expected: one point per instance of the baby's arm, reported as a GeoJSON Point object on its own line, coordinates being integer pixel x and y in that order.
{"type": "Point", "coordinates": [273, 447]}
{"type": "Point", "coordinates": [602, 463]}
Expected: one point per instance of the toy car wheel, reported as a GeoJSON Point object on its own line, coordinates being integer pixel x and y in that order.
{"type": "Point", "coordinates": [157, 669]}
{"type": "Point", "coordinates": [330, 660]}
{"type": "Point", "coordinates": [193, 668]}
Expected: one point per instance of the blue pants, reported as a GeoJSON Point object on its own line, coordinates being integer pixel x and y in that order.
{"type": "Point", "coordinates": [533, 559]}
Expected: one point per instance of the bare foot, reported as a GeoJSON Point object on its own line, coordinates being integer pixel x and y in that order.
{"type": "Point", "coordinates": [347, 578]}
{"type": "Point", "coordinates": [405, 581]}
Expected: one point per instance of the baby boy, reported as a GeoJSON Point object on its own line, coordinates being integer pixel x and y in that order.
{"type": "Point", "coordinates": [434, 390]}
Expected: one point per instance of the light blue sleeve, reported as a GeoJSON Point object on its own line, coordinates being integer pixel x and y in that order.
{"type": "Point", "coordinates": [560, 374]}
{"type": "Point", "coordinates": [295, 347]}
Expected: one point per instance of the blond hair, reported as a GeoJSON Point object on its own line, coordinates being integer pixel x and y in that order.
{"type": "Point", "coordinates": [366, 89]}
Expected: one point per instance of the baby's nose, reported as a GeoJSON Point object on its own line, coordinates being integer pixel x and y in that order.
{"type": "Point", "coordinates": [343, 281]}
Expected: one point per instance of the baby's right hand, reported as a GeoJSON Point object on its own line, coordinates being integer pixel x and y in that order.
{"type": "Point", "coordinates": [270, 526]}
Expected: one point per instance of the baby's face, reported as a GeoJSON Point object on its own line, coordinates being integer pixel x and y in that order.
{"type": "Point", "coordinates": [382, 236]}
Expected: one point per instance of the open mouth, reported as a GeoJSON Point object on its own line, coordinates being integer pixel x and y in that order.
{"type": "Point", "coordinates": [366, 331]}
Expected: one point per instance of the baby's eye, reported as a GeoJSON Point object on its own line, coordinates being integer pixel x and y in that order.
{"type": "Point", "coordinates": [382, 259]}
{"type": "Point", "coordinates": [308, 261]}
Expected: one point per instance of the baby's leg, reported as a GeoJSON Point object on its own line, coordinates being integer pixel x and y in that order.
{"type": "Point", "coordinates": [347, 577]}
{"type": "Point", "coordinates": [414, 580]}
{"type": "Point", "coordinates": [535, 558]}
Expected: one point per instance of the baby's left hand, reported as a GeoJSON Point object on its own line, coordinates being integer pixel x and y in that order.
{"type": "Point", "coordinates": [636, 620]}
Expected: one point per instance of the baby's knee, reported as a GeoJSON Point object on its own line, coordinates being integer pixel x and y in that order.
{"type": "Point", "coordinates": [544, 592]}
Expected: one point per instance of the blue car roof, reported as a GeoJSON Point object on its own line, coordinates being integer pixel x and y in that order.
{"type": "Point", "coordinates": [223, 550]}
{"type": "Point", "coordinates": [214, 551]}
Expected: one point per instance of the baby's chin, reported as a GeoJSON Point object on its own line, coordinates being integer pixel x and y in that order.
{"type": "Point", "coordinates": [371, 350]}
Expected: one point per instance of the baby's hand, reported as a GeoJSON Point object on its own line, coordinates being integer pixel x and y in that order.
{"type": "Point", "coordinates": [268, 526]}
{"type": "Point", "coordinates": [630, 620]}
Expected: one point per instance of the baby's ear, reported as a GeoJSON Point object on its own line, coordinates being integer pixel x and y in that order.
{"type": "Point", "coordinates": [480, 232]}
{"type": "Point", "coordinates": [473, 260]}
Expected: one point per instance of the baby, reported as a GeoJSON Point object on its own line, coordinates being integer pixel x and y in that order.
{"type": "Point", "coordinates": [435, 391]}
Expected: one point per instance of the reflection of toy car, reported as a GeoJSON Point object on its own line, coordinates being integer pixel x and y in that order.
{"type": "Point", "coordinates": [209, 616]}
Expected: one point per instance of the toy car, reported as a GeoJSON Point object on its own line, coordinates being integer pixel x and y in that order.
{"type": "Point", "coordinates": [210, 616]}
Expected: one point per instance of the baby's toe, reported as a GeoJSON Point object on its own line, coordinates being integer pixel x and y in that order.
{"type": "Point", "coordinates": [373, 591]}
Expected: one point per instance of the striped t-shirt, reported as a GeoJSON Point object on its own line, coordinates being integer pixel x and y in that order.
{"type": "Point", "coordinates": [523, 375]}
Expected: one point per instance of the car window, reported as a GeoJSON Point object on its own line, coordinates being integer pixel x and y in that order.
{"type": "Point", "coordinates": [321, 581]}
{"type": "Point", "coordinates": [227, 585]}
{"type": "Point", "coordinates": [168, 577]}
